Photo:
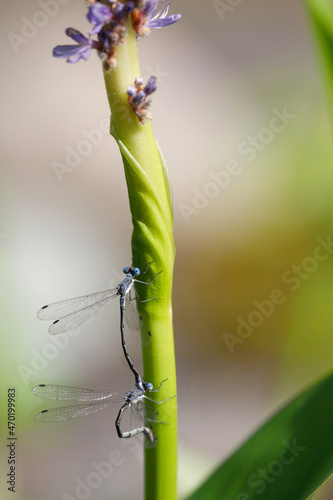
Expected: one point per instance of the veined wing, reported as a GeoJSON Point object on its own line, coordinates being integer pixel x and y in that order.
{"type": "Point", "coordinates": [58, 310]}
{"type": "Point", "coordinates": [147, 411]}
{"type": "Point", "coordinates": [135, 323]}
{"type": "Point", "coordinates": [138, 413]}
{"type": "Point", "coordinates": [67, 393]}
{"type": "Point", "coordinates": [73, 320]}
{"type": "Point", "coordinates": [138, 419]}
{"type": "Point", "coordinates": [68, 412]}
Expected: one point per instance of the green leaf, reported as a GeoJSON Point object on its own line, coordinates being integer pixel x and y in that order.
{"type": "Point", "coordinates": [166, 182]}
{"type": "Point", "coordinates": [321, 14]}
{"type": "Point", "coordinates": [288, 458]}
{"type": "Point", "coordinates": [138, 182]}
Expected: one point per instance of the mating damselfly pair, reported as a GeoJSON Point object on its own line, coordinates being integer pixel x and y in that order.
{"type": "Point", "coordinates": [69, 314]}
{"type": "Point", "coordinates": [142, 413]}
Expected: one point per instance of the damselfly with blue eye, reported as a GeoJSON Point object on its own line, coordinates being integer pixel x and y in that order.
{"type": "Point", "coordinates": [95, 401]}
{"type": "Point", "coordinates": [70, 313]}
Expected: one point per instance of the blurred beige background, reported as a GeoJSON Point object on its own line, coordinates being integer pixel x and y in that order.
{"type": "Point", "coordinates": [252, 195]}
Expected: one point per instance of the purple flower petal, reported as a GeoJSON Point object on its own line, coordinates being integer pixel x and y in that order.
{"type": "Point", "coordinates": [96, 29]}
{"type": "Point", "coordinates": [83, 54]}
{"type": "Point", "coordinates": [150, 7]}
{"type": "Point", "coordinates": [73, 53]}
{"type": "Point", "coordinates": [98, 14]}
{"type": "Point", "coordinates": [163, 22]}
{"type": "Point", "coordinates": [76, 35]}
{"type": "Point", "coordinates": [66, 50]}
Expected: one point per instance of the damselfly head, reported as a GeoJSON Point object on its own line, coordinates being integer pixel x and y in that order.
{"type": "Point", "coordinates": [134, 271]}
{"type": "Point", "coordinates": [149, 386]}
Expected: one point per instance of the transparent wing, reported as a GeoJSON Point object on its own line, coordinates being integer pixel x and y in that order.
{"type": "Point", "coordinates": [66, 393]}
{"type": "Point", "coordinates": [144, 412]}
{"type": "Point", "coordinates": [68, 323]}
{"type": "Point", "coordinates": [139, 418]}
{"type": "Point", "coordinates": [151, 413]}
{"type": "Point", "coordinates": [131, 314]}
{"type": "Point", "coordinates": [135, 323]}
{"type": "Point", "coordinates": [67, 307]}
{"type": "Point", "coordinates": [69, 412]}
{"type": "Point", "coordinates": [137, 413]}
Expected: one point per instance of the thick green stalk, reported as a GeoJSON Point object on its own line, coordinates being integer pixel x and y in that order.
{"type": "Point", "coordinates": [152, 240]}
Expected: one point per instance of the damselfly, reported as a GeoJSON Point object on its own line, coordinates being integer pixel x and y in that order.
{"type": "Point", "coordinates": [70, 313]}
{"type": "Point", "coordinates": [94, 401]}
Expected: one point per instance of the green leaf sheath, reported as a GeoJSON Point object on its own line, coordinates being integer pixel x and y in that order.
{"type": "Point", "coordinates": [288, 458]}
{"type": "Point", "coordinates": [321, 14]}
{"type": "Point", "coordinates": [152, 240]}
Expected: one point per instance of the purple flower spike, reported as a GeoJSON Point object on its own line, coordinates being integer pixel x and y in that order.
{"type": "Point", "coordinates": [98, 14]}
{"type": "Point", "coordinates": [137, 98]}
{"type": "Point", "coordinates": [73, 53]}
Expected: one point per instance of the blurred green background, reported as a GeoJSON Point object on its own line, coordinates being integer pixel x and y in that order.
{"type": "Point", "coordinates": [222, 82]}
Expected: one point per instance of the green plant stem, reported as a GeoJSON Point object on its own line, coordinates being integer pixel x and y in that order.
{"type": "Point", "coordinates": [152, 240]}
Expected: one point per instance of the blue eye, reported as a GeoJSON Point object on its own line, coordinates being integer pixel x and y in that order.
{"type": "Point", "coordinates": [137, 271]}
{"type": "Point", "coordinates": [125, 270]}
{"type": "Point", "coordinates": [150, 386]}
